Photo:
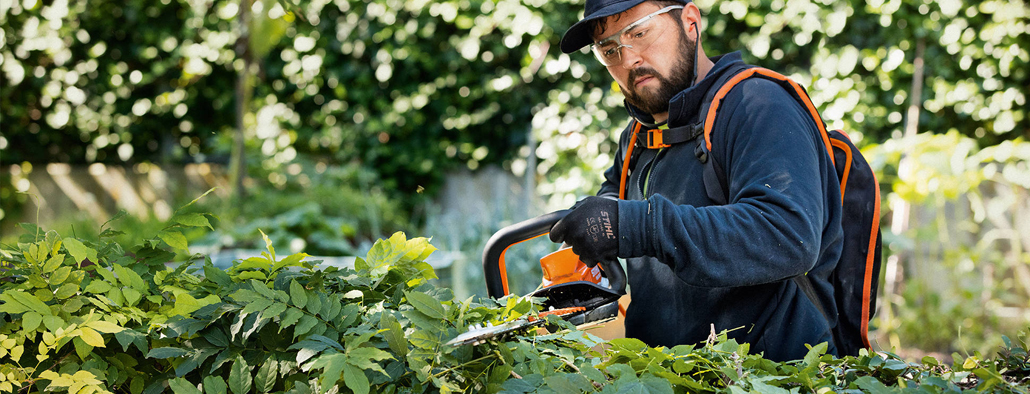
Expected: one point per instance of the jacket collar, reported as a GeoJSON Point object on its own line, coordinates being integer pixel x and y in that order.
{"type": "Point", "coordinates": [683, 107]}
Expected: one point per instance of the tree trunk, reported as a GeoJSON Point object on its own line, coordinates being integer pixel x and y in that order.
{"type": "Point", "coordinates": [237, 164]}
{"type": "Point", "coordinates": [894, 271]}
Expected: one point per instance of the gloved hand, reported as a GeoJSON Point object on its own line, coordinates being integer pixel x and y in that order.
{"type": "Point", "coordinates": [592, 229]}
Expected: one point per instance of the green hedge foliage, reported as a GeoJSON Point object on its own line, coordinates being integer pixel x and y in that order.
{"type": "Point", "coordinates": [95, 316]}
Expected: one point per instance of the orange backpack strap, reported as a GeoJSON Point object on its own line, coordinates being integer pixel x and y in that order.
{"type": "Point", "coordinates": [714, 176]}
{"type": "Point", "coordinates": [792, 87]}
{"type": "Point", "coordinates": [625, 161]}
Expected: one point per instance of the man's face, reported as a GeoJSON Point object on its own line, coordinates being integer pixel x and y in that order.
{"type": "Point", "coordinates": [651, 77]}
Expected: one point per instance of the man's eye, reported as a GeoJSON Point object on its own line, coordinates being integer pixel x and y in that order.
{"type": "Point", "coordinates": [610, 51]}
{"type": "Point", "coordinates": [639, 33]}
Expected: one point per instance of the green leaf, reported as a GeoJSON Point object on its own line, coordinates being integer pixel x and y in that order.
{"type": "Point", "coordinates": [217, 276]}
{"type": "Point", "coordinates": [53, 323]}
{"type": "Point", "coordinates": [304, 326]}
{"type": "Point", "coordinates": [129, 278]}
{"type": "Point", "coordinates": [132, 296]}
{"type": "Point", "coordinates": [184, 305]}
{"type": "Point", "coordinates": [29, 301]}
{"type": "Point", "coordinates": [424, 339]}
{"type": "Point", "coordinates": [214, 385]}
{"type": "Point", "coordinates": [264, 381]}
{"type": "Point", "coordinates": [106, 273]}
{"type": "Point", "coordinates": [262, 289]}
{"type": "Point", "coordinates": [128, 337]}
{"type": "Point", "coordinates": [166, 352]}
{"type": "Point", "coordinates": [240, 380]}
{"type": "Point", "coordinates": [394, 334]}
{"type": "Point", "coordinates": [79, 251]}
{"type": "Point", "coordinates": [292, 316]}
{"type": "Point", "coordinates": [98, 286]}
{"type": "Point", "coordinates": [192, 220]}
{"type": "Point", "coordinates": [10, 306]}
{"type": "Point", "coordinates": [422, 321]}
{"type": "Point", "coordinates": [307, 349]}
{"type": "Point", "coordinates": [293, 260]}
{"type": "Point", "coordinates": [91, 337]}
{"type": "Point", "coordinates": [314, 304]}
{"type": "Point", "coordinates": [812, 358]}
{"type": "Point", "coordinates": [518, 386]}
{"type": "Point", "coordinates": [631, 344]}
{"type": "Point", "coordinates": [66, 290]}
{"type": "Point", "coordinates": [355, 379]}
{"type": "Point", "coordinates": [298, 295]}
{"type": "Point", "coordinates": [258, 305]}
{"type": "Point", "coordinates": [366, 357]}
{"type": "Point", "coordinates": [82, 349]}
{"type": "Point", "coordinates": [570, 383]}
{"type": "Point", "coordinates": [252, 275]}
{"type": "Point", "coordinates": [426, 304]}
{"type": "Point", "coordinates": [275, 310]}
{"type": "Point", "coordinates": [332, 366]}
{"type": "Point", "coordinates": [182, 386]}
{"type": "Point", "coordinates": [871, 385]}
{"type": "Point", "coordinates": [30, 321]}
{"type": "Point", "coordinates": [175, 239]}
{"type": "Point", "coordinates": [136, 386]}
{"type": "Point", "coordinates": [197, 199]}
{"type": "Point", "coordinates": [418, 249]}
{"type": "Point", "coordinates": [194, 360]}
{"type": "Point", "coordinates": [60, 275]}
{"type": "Point", "coordinates": [252, 263]}
{"type": "Point", "coordinates": [53, 263]}
{"type": "Point", "coordinates": [247, 296]}
{"type": "Point", "coordinates": [268, 245]}
{"type": "Point", "coordinates": [757, 385]}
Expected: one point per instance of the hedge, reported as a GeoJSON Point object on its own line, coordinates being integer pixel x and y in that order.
{"type": "Point", "coordinates": [94, 316]}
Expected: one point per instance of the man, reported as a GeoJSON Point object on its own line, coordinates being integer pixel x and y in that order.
{"type": "Point", "coordinates": [692, 263]}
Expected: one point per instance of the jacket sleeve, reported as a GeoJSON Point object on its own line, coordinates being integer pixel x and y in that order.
{"type": "Point", "coordinates": [778, 176]}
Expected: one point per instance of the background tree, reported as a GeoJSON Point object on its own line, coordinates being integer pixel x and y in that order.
{"type": "Point", "coordinates": [357, 106]}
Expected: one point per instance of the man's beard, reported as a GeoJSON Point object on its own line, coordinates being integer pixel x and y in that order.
{"type": "Point", "coordinates": [656, 100]}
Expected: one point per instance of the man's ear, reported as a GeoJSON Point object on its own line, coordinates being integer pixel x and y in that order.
{"type": "Point", "coordinates": [690, 17]}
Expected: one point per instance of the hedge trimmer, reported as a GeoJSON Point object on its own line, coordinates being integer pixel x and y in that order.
{"type": "Point", "coordinates": [578, 294]}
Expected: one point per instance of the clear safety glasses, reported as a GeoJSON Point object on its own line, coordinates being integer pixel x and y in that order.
{"type": "Point", "coordinates": [637, 36]}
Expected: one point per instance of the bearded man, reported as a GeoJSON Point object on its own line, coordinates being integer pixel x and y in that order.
{"type": "Point", "coordinates": [692, 262]}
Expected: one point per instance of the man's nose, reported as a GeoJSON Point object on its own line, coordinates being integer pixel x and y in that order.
{"type": "Point", "coordinates": [630, 58]}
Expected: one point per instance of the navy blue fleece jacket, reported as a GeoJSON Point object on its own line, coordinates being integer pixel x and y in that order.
{"type": "Point", "coordinates": [692, 263]}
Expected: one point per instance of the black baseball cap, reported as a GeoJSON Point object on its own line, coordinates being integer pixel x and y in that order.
{"type": "Point", "coordinates": [579, 35]}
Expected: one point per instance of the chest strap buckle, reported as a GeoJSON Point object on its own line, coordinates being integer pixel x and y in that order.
{"type": "Point", "coordinates": [666, 137]}
{"type": "Point", "coordinates": [656, 140]}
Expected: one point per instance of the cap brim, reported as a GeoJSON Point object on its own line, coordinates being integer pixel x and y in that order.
{"type": "Point", "coordinates": [579, 36]}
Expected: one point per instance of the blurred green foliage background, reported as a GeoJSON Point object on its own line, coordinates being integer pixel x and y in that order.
{"type": "Point", "coordinates": [351, 114]}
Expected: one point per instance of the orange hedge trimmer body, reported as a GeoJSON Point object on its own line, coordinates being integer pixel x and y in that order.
{"type": "Point", "coordinates": [579, 294]}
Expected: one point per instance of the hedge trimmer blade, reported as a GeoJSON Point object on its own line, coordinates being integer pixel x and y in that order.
{"type": "Point", "coordinates": [477, 335]}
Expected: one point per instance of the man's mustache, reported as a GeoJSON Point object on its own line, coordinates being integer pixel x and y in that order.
{"type": "Point", "coordinates": [640, 72]}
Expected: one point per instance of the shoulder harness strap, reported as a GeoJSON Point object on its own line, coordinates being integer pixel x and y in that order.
{"type": "Point", "coordinates": [714, 176]}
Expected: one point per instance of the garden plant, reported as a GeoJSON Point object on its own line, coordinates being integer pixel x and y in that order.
{"type": "Point", "coordinates": [96, 316]}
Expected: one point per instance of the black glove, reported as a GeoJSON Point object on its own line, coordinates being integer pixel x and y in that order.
{"type": "Point", "coordinates": [592, 229]}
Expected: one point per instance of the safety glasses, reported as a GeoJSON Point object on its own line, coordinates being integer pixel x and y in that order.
{"type": "Point", "coordinates": [637, 36]}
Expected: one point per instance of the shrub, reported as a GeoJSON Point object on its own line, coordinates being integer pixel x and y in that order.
{"type": "Point", "coordinates": [92, 316]}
